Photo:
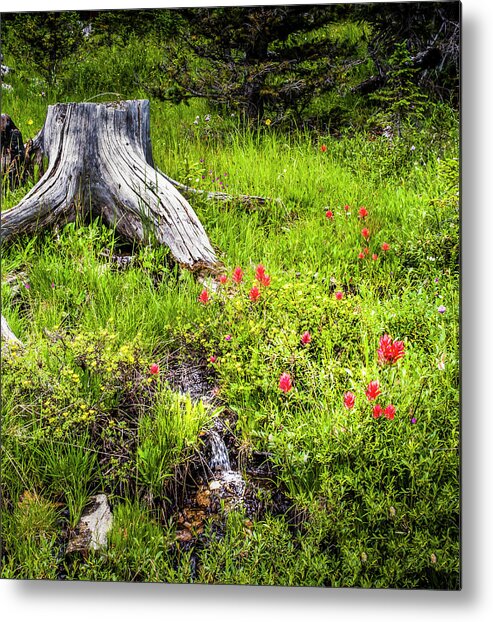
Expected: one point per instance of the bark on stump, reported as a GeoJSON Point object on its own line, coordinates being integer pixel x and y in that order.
{"type": "Point", "coordinates": [100, 164]}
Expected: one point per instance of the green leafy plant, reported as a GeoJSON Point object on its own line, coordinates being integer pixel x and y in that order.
{"type": "Point", "coordinates": [167, 437]}
{"type": "Point", "coordinates": [401, 98]}
{"type": "Point", "coordinates": [68, 471]}
{"type": "Point", "coordinates": [29, 539]}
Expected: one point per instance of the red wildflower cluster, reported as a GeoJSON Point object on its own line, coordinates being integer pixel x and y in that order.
{"type": "Point", "coordinates": [306, 338]}
{"type": "Point", "coordinates": [154, 369]}
{"type": "Point", "coordinates": [339, 295]}
{"type": "Point", "coordinates": [389, 351]}
{"type": "Point", "coordinates": [349, 400]}
{"type": "Point", "coordinates": [261, 276]}
{"type": "Point", "coordinates": [285, 383]}
{"type": "Point", "coordinates": [323, 148]}
{"type": "Point", "coordinates": [237, 275]}
{"type": "Point", "coordinates": [204, 297]}
{"type": "Point", "coordinates": [366, 251]}
{"type": "Point", "coordinates": [377, 411]}
{"type": "Point", "coordinates": [388, 411]}
{"type": "Point", "coordinates": [373, 390]}
{"type": "Point", "coordinates": [254, 294]}
{"type": "Point", "coordinates": [259, 272]}
{"type": "Point", "coordinates": [365, 231]}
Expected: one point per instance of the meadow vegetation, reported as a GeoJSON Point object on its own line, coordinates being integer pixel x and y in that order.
{"type": "Point", "coordinates": [333, 353]}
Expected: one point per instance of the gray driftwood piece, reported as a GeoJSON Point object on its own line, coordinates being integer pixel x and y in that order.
{"type": "Point", "coordinates": [100, 164]}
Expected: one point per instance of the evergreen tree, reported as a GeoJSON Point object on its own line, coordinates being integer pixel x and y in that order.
{"type": "Point", "coordinates": [42, 39]}
{"type": "Point", "coordinates": [431, 31]}
{"type": "Point", "coordinates": [400, 97]}
{"type": "Point", "coordinates": [263, 60]}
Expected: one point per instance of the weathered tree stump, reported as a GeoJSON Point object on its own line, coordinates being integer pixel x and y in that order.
{"type": "Point", "coordinates": [12, 152]}
{"type": "Point", "coordinates": [100, 164]}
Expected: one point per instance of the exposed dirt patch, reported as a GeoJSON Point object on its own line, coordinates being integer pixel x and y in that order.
{"type": "Point", "coordinates": [191, 376]}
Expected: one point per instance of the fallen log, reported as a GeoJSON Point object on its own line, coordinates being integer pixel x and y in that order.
{"type": "Point", "coordinates": [8, 335]}
{"type": "Point", "coordinates": [220, 196]}
{"type": "Point", "coordinates": [101, 165]}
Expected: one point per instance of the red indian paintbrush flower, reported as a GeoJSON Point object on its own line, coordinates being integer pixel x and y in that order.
{"type": "Point", "coordinates": [384, 348]}
{"type": "Point", "coordinates": [339, 295]}
{"type": "Point", "coordinates": [361, 255]}
{"type": "Point", "coordinates": [260, 272]}
{"type": "Point", "coordinates": [306, 338]}
{"type": "Point", "coordinates": [389, 411]}
{"type": "Point", "coordinates": [265, 280]}
{"type": "Point", "coordinates": [349, 399]}
{"type": "Point", "coordinates": [223, 279]}
{"type": "Point", "coordinates": [329, 214]}
{"type": "Point", "coordinates": [237, 275]}
{"type": "Point", "coordinates": [212, 359]}
{"type": "Point", "coordinates": [373, 390]}
{"type": "Point", "coordinates": [323, 148]}
{"type": "Point", "coordinates": [397, 350]}
{"type": "Point", "coordinates": [254, 294]}
{"type": "Point", "coordinates": [374, 256]}
{"type": "Point", "coordinates": [285, 383]}
{"type": "Point", "coordinates": [385, 246]}
{"type": "Point", "coordinates": [346, 208]}
{"type": "Point", "coordinates": [389, 351]}
{"type": "Point", "coordinates": [377, 411]}
{"type": "Point", "coordinates": [204, 297]}
{"type": "Point", "coordinates": [362, 212]}
{"type": "Point", "coordinates": [365, 233]}
{"type": "Point", "coordinates": [154, 369]}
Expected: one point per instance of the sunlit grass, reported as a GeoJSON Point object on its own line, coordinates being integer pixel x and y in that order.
{"type": "Point", "coordinates": [380, 497]}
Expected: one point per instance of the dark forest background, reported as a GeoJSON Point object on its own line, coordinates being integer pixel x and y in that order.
{"type": "Point", "coordinates": [329, 66]}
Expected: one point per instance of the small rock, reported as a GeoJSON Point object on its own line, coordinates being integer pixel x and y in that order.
{"type": "Point", "coordinates": [229, 487]}
{"type": "Point", "coordinates": [184, 535]}
{"type": "Point", "coordinates": [208, 282]}
{"type": "Point", "coordinates": [203, 498]}
{"type": "Point", "coordinates": [92, 531]}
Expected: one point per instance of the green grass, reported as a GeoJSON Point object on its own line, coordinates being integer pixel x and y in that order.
{"type": "Point", "coordinates": [379, 498]}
